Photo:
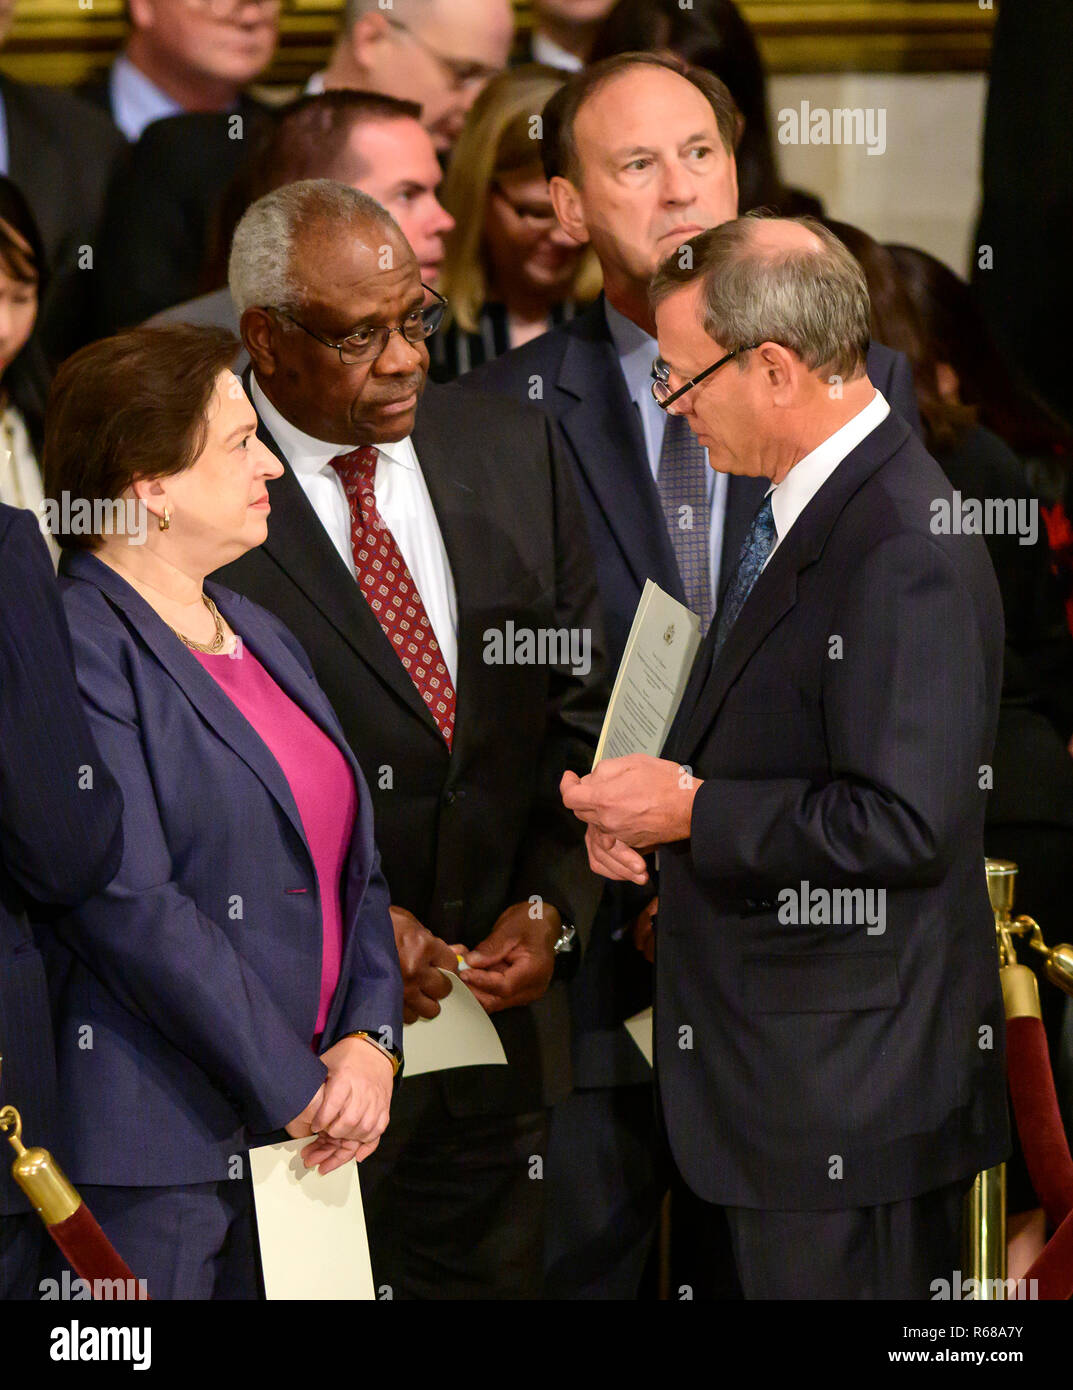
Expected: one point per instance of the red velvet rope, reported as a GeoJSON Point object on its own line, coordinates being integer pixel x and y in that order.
{"type": "Point", "coordinates": [91, 1254]}
{"type": "Point", "coordinates": [1053, 1270]}
{"type": "Point", "coordinates": [1039, 1122]}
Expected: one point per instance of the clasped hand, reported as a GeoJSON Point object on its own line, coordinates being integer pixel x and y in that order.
{"type": "Point", "coordinates": [630, 805]}
{"type": "Point", "coordinates": [350, 1109]}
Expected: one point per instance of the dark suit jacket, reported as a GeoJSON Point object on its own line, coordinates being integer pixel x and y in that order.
{"type": "Point", "coordinates": [61, 154]}
{"type": "Point", "coordinates": [61, 836]}
{"type": "Point", "coordinates": [160, 209]}
{"type": "Point", "coordinates": [584, 390]}
{"type": "Point", "coordinates": [197, 971]}
{"type": "Point", "coordinates": [823, 1066]}
{"type": "Point", "coordinates": [467, 833]}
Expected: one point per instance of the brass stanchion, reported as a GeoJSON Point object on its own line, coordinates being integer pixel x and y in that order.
{"type": "Point", "coordinates": [984, 1229]}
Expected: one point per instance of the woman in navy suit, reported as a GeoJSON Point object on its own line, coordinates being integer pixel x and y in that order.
{"type": "Point", "coordinates": [239, 976]}
{"type": "Point", "coordinates": [61, 839]}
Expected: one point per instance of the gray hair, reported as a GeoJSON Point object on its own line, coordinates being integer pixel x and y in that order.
{"type": "Point", "coordinates": [812, 300]}
{"type": "Point", "coordinates": [260, 270]}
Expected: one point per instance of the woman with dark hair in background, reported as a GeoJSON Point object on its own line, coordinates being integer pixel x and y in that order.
{"type": "Point", "coordinates": [972, 367]}
{"type": "Point", "coordinates": [23, 369]}
{"type": "Point", "coordinates": [713, 34]}
{"type": "Point", "coordinates": [510, 272]}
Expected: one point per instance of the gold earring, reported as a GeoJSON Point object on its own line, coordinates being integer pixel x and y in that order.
{"type": "Point", "coordinates": [165, 521]}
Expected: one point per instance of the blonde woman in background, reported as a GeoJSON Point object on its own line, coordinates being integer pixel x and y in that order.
{"type": "Point", "coordinates": [511, 272]}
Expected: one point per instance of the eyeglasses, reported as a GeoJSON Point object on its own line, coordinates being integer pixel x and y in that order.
{"type": "Point", "coordinates": [229, 9]}
{"type": "Point", "coordinates": [368, 343]}
{"type": "Point", "coordinates": [535, 218]}
{"type": "Point", "coordinates": [661, 388]}
{"type": "Point", "coordinates": [461, 72]}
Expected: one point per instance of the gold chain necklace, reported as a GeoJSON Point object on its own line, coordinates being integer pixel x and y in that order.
{"type": "Point", "coordinates": [217, 642]}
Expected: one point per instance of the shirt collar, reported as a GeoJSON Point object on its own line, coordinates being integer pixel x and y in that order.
{"type": "Point", "coordinates": [547, 51]}
{"type": "Point", "coordinates": [307, 454]}
{"type": "Point", "coordinates": [790, 497]}
{"type": "Point", "coordinates": [136, 100]}
{"type": "Point", "coordinates": [636, 350]}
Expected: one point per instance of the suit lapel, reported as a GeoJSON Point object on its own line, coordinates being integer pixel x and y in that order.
{"type": "Point", "coordinates": [775, 592]}
{"type": "Point", "coordinates": [215, 707]}
{"type": "Point", "coordinates": [299, 544]}
{"type": "Point", "coordinates": [606, 437]}
{"type": "Point", "coordinates": [456, 487]}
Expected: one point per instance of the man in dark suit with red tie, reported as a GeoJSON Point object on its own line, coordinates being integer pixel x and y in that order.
{"type": "Point", "coordinates": [828, 1019]}
{"type": "Point", "coordinates": [409, 551]}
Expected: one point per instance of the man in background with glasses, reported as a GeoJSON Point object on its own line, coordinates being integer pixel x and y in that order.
{"type": "Point", "coordinates": [439, 53]}
{"type": "Point", "coordinates": [410, 530]}
{"type": "Point", "coordinates": [185, 55]}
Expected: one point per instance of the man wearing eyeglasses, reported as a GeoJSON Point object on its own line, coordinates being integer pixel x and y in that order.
{"type": "Point", "coordinates": [439, 53]}
{"type": "Point", "coordinates": [185, 55]}
{"type": "Point", "coordinates": [818, 807]}
{"type": "Point", "coordinates": [639, 152]}
{"type": "Point", "coordinates": [409, 528]}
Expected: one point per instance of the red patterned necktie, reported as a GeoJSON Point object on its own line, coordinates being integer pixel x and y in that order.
{"type": "Point", "coordinates": [390, 591]}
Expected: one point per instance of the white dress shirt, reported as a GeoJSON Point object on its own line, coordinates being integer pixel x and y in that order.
{"type": "Point", "coordinates": [402, 500]}
{"type": "Point", "coordinates": [790, 497]}
{"type": "Point", "coordinates": [136, 100]}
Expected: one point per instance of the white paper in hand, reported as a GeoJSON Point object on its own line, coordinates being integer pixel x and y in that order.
{"type": "Point", "coordinates": [311, 1227]}
{"type": "Point", "coordinates": [461, 1035]}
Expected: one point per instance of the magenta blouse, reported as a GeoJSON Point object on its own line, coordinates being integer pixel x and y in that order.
{"type": "Point", "coordinates": [321, 783]}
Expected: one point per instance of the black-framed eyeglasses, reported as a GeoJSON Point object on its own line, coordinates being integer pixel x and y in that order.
{"type": "Point", "coordinates": [661, 387]}
{"type": "Point", "coordinates": [368, 343]}
{"type": "Point", "coordinates": [462, 71]}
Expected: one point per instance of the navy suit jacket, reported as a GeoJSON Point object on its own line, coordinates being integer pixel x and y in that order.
{"type": "Point", "coordinates": [804, 1063]}
{"type": "Point", "coordinates": [61, 834]}
{"type": "Point", "coordinates": [576, 369]}
{"type": "Point", "coordinates": [187, 992]}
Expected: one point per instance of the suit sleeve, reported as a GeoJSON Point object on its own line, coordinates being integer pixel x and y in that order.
{"type": "Point", "coordinates": [61, 832]}
{"type": "Point", "coordinates": [553, 861]}
{"type": "Point", "coordinates": [158, 954]}
{"type": "Point", "coordinates": [907, 712]}
{"type": "Point", "coordinates": [373, 1000]}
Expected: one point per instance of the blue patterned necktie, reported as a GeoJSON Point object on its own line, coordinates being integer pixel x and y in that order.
{"type": "Point", "coordinates": [682, 481]}
{"type": "Point", "coordinates": [758, 545]}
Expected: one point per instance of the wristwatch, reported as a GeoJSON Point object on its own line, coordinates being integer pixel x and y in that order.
{"type": "Point", "coordinates": [565, 951]}
{"type": "Point", "coordinates": [393, 1054]}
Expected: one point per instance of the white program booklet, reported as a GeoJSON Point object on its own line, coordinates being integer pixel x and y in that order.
{"type": "Point", "coordinates": [461, 1035]}
{"type": "Point", "coordinates": [311, 1227]}
{"type": "Point", "coordinates": [651, 678]}
{"type": "Point", "coordinates": [639, 1028]}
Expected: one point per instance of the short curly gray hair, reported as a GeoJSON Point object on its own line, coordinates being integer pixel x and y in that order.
{"type": "Point", "coordinates": [260, 270]}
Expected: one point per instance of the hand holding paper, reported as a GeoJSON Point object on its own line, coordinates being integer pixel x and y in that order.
{"type": "Point", "coordinates": [639, 800]}
{"type": "Point", "coordinates": [514, 964]}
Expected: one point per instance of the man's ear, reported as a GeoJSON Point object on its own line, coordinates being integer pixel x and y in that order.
{"type": "Point", "coordinates": [258, 332]}
{"type": "Point", "coordinates": [368, 33]}
{"type": "Point", "coordinates": [566, 201]}
{"type": "Point", "coordinates": [780, 368]}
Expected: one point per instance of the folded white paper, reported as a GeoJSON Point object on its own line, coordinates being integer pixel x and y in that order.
{"type": "Point", "coordinates": [461, 1035]}
{"type": "Point", "coordinates": [311, 1227]}
{"type": "Point", "coordinates": [639, 1028]}
{"type": "Point", "coordinates": [651, 678]}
